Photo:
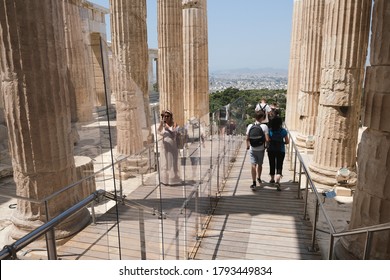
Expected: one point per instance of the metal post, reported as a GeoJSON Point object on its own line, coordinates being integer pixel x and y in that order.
{"type": "Point", "coordinates": [51, 245]}
{"type": "Point", "coordinates": [300, 181]}
{"type": "Point", "coordinates": [306, 198]}
{"type": "Point", "coordinates": [313, 237]}
{"type": "Point", "coordinates": [367, 245]}
{"type": "Point", "coordinates": [120, 181]}
{"type": "Point", "coordinates": [93, 214]}
{"type": "Point", "coordinates": [218, 165]}
{"type": "Point", "coordinates": [142, 240]}
{"type": "Point", "coordinates": [295, 166]}
{"type": "Point", "coordinates": [331, 244]}
{"type": "Point", "coordinates": [50, 238]}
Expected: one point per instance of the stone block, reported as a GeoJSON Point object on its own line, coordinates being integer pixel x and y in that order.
{"type": "Point", "coordinates": [343, 191]}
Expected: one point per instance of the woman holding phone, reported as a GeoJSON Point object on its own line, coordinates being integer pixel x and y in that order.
{"type": "Point", "coordinates": [169, 164]}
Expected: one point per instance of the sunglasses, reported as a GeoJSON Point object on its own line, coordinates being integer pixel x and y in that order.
{"type": "Point", "coordinates": [167, 116]}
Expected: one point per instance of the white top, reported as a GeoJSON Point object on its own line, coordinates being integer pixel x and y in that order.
{"type": "Point", "coordinates": [267, 110]}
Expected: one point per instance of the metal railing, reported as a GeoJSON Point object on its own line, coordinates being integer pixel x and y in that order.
{"type": "Point", "coordinates": [209, 165]}
{"type": "Point", "coordinates": [9, 251]}
{"type": "Point", "coordinates": [296, 158]}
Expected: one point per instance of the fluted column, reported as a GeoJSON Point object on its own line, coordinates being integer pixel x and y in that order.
{"type": "Point", "coordinates": [170, 57]}
{"type": "Point", "coordinates": [152, 61]}
{"type": "Point", "coordinates": [132, 15]}
{"type": "Point", "coordinates": [371, 202]}
{"type": "Point", "coordinates": [344, 52]}
{"type": "Point", "coordinates": [99, 64]}
{"type": "Point", "coordinates": [309, 89]}
{"type": "Point", "coordinates": [196, 78]}
{"type": "Point", "coordinates": [292, 118]}
{"type": "Point", "coordinates": [77, 57]}
{"type": "Point", "coordinates": [129, 96]}
{"type": "Point", "coordinates": [34, 84]}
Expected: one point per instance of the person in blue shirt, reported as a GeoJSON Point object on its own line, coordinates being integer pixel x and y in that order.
{"type": "Point", "coordinates": [276, 150]}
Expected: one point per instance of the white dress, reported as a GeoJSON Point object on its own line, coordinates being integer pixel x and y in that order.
{"type": "Point", "coordinates": [169, 159]}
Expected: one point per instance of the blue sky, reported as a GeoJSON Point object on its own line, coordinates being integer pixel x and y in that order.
{"type": "Point", "coordinates": [242, 34]}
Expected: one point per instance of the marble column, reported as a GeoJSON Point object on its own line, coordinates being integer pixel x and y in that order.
{"type": "Point", "coordinates": [153, 54]}
{"type": "Point", "coordinates": [131, 17]}
{"type": "Point", "coordinates": [77, 56]}
{"type": "Point", "coordinates": [129, 95]}
{"type": "Point", "coordinates": [344, 52]}
{"type": "Point", "coordinates": [309, 86]}
{"type": "Point", "coordinates": [371, 202]}
{"type": "Point", "coordinates": [195, 48]}
{"type": "Point", "coordinates": [170, 57]}
{"type": "Point", "coordinates": [99, 59]}
{"type": "Point", "coordinates": [36, 100]}
{"type": "Point", "coordinates": [292, 117]}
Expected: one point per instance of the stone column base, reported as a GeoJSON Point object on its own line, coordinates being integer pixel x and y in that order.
{"type": "Point", "coordinates": [327, 176]}
{"type": "Point", "coordinates": [84, 168]}
{"type": "Point", "coordinates": [341, 253]}
{"type": "Point", "coordinates": [305, 141]}
{"type": "Point", "coordinates": [65, 229]}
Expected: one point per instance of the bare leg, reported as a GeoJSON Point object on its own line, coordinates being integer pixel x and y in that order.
{"type": "Point", "coordinates": [259, 170]}
{"type": "Point", "coordinates": [253, 171]}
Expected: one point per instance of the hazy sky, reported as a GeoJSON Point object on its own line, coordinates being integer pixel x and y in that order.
{"type": "Point", "coordinates": [242, 33]}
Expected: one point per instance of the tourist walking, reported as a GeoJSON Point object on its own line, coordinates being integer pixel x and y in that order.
{"type": "Point", "coordinates": [263, 106]}
{"type": "Point", "coordinates": [256, 138]}
{"type": "Point", "coordinates": [276, 150]}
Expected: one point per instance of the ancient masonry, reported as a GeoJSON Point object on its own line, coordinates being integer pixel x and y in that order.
{"type": "Point", "coordinates": [37, 102]}
{"type": "Point", "coordinates": [309, 86]}
{"type": "Point", "coordinates": [195, 48]}
{"type": "Point", "coordinates": [129, 59]}
{"type": "Point", "coordinates": [77, 57]}
{"type": "Point", "coordinates": [371, 203]}
{"type": "Point", "coordinates": [292, 118]}
{"type": "Point", "coordinates": [332, 56]}
{"type": "Point", "coordinates": [170, 57]}
{"type": "Point", "coordinates": [52, 77]}
{"type": "Point", "coordinates": [342, 72]}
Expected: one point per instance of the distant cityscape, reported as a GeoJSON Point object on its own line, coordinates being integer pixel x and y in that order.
{"type": "Point", "coordinates": [245, 79]}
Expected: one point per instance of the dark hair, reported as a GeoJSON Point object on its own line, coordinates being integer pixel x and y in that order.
{"type": "Point", "coordinates": [259, 115]}
{"type": "Point", "coordinates": [275, 111]}
{"type": "Point", "coordinates": [166, 112]}
{"type": "Point", "coordinates": [276, 123]}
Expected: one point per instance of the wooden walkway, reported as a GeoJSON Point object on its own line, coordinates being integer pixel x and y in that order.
{"type": "Point", "coordinates": [259, 225]}
{"type": "Point", "coordinates": [245, 225]}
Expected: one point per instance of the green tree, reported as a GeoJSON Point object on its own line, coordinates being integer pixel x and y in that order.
{"type": "Point", "coordinates": [250, 99]}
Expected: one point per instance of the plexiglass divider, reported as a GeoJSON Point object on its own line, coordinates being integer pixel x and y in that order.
{"type": "Point", "coordinates": [147, 213]}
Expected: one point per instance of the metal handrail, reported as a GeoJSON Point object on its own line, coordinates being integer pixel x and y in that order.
{"type": "Point", "coordinates": [380, 227]}
{"type": "Point", "coordinates": [319, 205]}
{"type": "Point", "coordinates": [9, 251]}
{"type": "Point", "coordinates": [367, 230]}
{"type": "Point", "coordinates": [310, 182]}
{"type": "Point", "coordinates": [72, 185]}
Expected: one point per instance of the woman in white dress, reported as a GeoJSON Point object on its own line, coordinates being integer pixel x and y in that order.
{"type": "Point", "coordinates": [169, 160]}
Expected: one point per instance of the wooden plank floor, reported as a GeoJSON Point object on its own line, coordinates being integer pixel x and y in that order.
{"type": "Point", "coordinates": [264, 224]}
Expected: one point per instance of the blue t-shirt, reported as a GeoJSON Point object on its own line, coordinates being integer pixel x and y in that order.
{"type": "Point", "coordinates": [277, 140]}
